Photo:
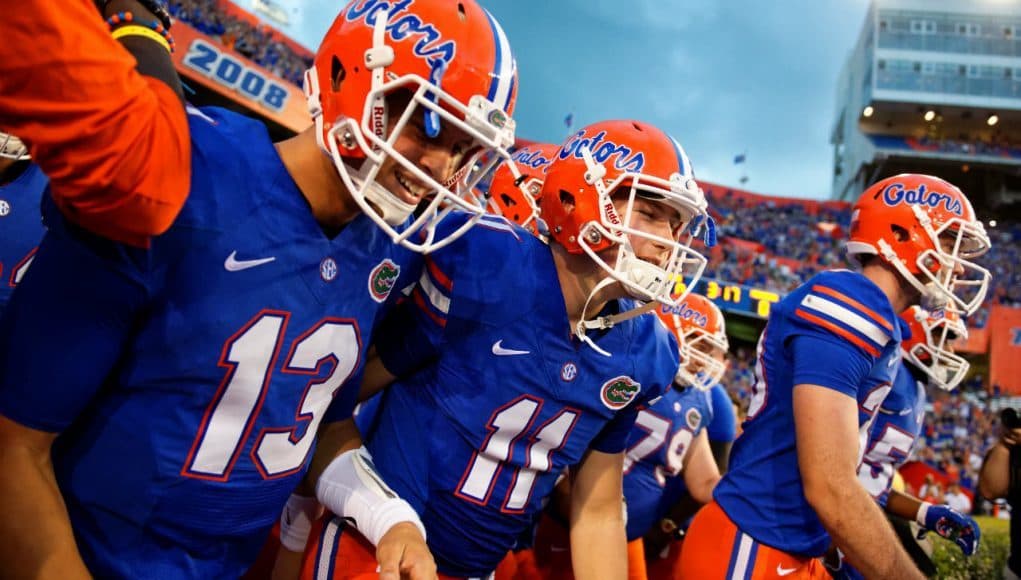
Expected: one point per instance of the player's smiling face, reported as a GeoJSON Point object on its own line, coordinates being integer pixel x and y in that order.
{"type": "Point", "coordinates": [440, 157]}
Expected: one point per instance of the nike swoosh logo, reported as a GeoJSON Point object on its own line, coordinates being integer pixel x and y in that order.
{"type": "Point", "coordinates": [781, 571]}
{"type": "Point", "coordinates": [498, 350]}
{"type": "Point", "coordinates": [232, 264]}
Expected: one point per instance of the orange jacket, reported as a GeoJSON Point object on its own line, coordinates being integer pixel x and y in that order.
{"type": "Point", "coordinates": [114, 144]}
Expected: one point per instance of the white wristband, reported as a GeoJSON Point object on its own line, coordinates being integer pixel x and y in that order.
{"type": "Point", "coordinates": [350, 488]}
{"type": "Point", "coordinates": [296, 521]}
{"type": "Point", "coordinates": [923, 510]}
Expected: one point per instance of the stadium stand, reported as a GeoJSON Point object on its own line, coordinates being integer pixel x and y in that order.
{"type": "Point", "coordinates": [241, 32]}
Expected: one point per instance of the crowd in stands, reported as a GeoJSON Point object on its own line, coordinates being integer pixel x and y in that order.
{"type": "Point", "coordinates": [998, 146]}
{"type": "Point", "coordinates": [960, 426]}
{"type": "Point", "coordinates": [256, 43]}
{"type": "Point", "coordinates": [775, 246]}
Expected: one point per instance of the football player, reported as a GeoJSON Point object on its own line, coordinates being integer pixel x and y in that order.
{"type": "Point", "coordinates": [193, 375]}
{"type": "Point", "coordinates": [21, 189]}
{"type": "Point", "coordinates": [661, 487]}
{"type": "Point", "coordinates": [826, 362]}
{"type": "Point", "coordinates": [928, 359]}
{"type": "Point", "coordinates": [528, 358]}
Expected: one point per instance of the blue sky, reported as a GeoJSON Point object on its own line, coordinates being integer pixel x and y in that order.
{"type": "Point", "coordinates": [722, 76]}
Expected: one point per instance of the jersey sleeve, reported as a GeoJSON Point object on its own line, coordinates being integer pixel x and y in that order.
{"type": "Point", "coordinates": [67, 324]}
{"type": "Point", "coordinates": [723, 423]}
{"type": "Point", "coordinates": [613, 438]}
{"type": "Point", "coordinates": [412, 333]}
{"type": "Point", "coordinates": [114, 144]}
{"type": "Point", "coordinates": [838, 328]}
{"type": "Point", "coordinates": [831, 363]}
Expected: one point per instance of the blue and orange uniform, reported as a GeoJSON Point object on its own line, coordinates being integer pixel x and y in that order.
{"type": "Point", "coordinates": [496, 400]}
{"type": "Point", "coordinates": [837, 331]}
{"type": "Point", "coordinates": [196, 370]}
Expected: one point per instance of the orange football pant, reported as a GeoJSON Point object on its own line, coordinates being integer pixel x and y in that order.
{"type": "Point", "coordinates": [716, 549]}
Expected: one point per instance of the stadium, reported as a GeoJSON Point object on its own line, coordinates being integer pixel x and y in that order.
{"type": "Point", "coordinates": [931, 87]}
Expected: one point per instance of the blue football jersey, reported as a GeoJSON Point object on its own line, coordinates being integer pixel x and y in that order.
{"type": "Point", "coordinates": [21, 227]}
{"type": "Point", "coordinates": [498, 399]}
{"type": "Point", "coordinates": [894, 433]}
{"type": "Point", "coordinates": [192, 376]}
{"type": "Point", "coordinates": [836, 331]}
{"type": "Point", "coordinates": [661, 438]}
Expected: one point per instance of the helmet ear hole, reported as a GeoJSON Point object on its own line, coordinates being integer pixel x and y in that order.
{"type": "Point", "coordinates": [337, 73]}
{"type": "Point", "coordinates": [900, 234]}
{"type": "Point", "coordinates": [460, 12]}
{"type": "Point", "coordinates": [567, 200]}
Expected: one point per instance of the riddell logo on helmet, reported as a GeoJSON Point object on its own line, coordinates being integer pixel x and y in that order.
{"type": "Point", "coordinates": [529, 158]}
{"type": "Point", "coordinates": [624, 159]}
{"type": "Point", "coordinates": [685, 312]}
{"type": "Point", "coordinates": [402, 26]}
{"type": "Point", "coordinates": [895, 194]}
{"type": "Point", "coordinates": [611, 213]}
{"type": "Point", "coordinates": [379, 121]}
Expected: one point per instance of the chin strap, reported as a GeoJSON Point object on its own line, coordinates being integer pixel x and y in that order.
{"type": "Point", "coordinates": [606, 322]}
{"type": "Point", "coordinates": [391, 208]}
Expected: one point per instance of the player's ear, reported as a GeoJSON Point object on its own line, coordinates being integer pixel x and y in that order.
{"type": "Point", "coordinates": [567, 200]}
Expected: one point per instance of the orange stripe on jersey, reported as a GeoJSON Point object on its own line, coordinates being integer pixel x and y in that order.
{"type": "Point", "coordinates": [114, 144]}
{"type": "Point", "coordinates": [838, 331]}
{"type": "Point", "coordinates": [852, 302]}
{"type": "Point", "coordinates": [442, 279]}
{"type": "Point", "coordinates": [419, 299]}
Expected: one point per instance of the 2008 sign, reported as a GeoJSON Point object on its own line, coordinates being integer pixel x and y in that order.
{"type": "Point", "coordinates": [233, 74]}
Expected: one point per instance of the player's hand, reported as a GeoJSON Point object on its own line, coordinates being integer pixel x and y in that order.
{"type": "Point", "coordinates": [954, 526]}
{"type": "Point", "coordinates": [403, 555]}
{"type": "Point", "coordinates": [838, 566]}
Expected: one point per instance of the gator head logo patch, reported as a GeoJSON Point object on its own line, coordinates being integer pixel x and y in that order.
{"type": "Point", "coordinates": [618, 392]}
{"type": "Point", "coordinates": [693, 418]}
{"type": "Point", "coordinates": [382, 279]}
